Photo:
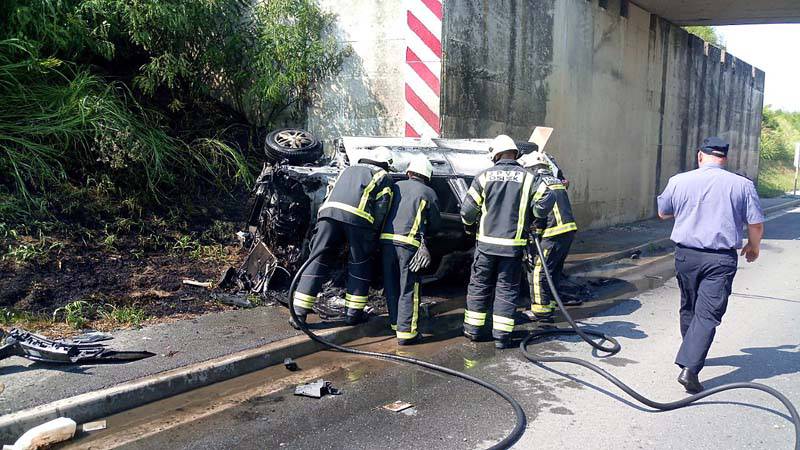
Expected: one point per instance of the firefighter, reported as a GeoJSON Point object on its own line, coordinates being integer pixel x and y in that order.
{"type": "Point", "coordinates": [500, 204]}
{"type": "Point", "coordinates": [557, 229]}
{"type": "Point", "coordinates": [413, 216]}
{"type": "Point", "coordinates": [353, 213]}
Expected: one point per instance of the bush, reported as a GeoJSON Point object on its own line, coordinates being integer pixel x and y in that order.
{"type": "Point", "coordinates": [141, 97]}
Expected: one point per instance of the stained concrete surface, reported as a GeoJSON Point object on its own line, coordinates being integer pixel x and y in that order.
{"type": "Point", "coordinates": [566, 405]}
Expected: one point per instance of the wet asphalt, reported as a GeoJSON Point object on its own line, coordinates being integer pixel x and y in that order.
{"type": "Point", "coordinates": [566, 406]}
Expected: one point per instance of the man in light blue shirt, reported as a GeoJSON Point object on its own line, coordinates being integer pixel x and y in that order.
{"type": "Point", "coordinates": [711, 207]}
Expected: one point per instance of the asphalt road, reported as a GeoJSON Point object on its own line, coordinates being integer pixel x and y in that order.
{"type": "Point", "coordinates": [567, 406]}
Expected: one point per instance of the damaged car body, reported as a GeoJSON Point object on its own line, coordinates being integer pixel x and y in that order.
{"type": "Point", "coordinates": [288, 194]}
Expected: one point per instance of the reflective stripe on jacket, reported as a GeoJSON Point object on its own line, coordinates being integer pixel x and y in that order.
{"type": "Point", "coordinates": [552, 207]}
{"type": "Point", "coordinates": [414, 213]}
{"type": "Point", "coordinates": [501, 197]}
{"type": "Point", "coordinates": [360, 196]}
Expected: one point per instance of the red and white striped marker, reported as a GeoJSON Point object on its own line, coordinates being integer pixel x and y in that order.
{"type": "Point", "coordinates": [423, 68]}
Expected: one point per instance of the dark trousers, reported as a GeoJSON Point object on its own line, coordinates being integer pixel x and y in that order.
{"type": "Point", "coordinates": [555, 249]}
{"type": "Point", "coordinates": [494, 284]}
{"type": "Point", "coordinates": [330, 235]}
{"type": "Point", "coordinates": [705, 279]}
{"type": "Point", "coordinates": [401, 287]}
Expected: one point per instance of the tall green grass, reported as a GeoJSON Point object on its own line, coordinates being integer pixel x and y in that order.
{"type": "Point", "coordinates": [59, 123]}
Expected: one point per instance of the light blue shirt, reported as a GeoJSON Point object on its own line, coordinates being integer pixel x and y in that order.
{"type": "Point", "coordinates": [711, 207]}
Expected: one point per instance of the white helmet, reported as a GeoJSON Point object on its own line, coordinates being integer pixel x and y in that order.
{"type": "Point", "coordinates": [500, 144]}
{"type": "Point", "coordinates": [382, 155]}
{"type": "Point", "coordinates": [420, 165]}
{"type": "Point", "coordinates": [534, 159]}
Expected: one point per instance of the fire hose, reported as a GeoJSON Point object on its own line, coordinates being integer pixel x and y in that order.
{"type": "Point", "coordinates": [519, 413]}
{"type": "Point", "coordinates": [585, 334]}
{"type": "Point", "coordinates": [615, 348]}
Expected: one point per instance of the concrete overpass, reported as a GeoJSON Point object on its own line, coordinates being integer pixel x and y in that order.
{"type": "Point", "coordinates": [724, 12]}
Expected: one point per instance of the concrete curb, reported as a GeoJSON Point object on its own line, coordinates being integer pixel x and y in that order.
{"type": "Point", "coordinates": [92, 405]}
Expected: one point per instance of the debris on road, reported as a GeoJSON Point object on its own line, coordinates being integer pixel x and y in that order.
{"type": "Point", "coordinates": [317, 389]}
{"type": "Point", "coordinates": [45, 435]}
{"type": "Point", "coordinates": [397, 406]}
{"type": "Point", "coordinates": [204, 284]}
{"type": "Point", "coordinates": [291, 365]}
{"type": "Point", "coordinates": [93, 426]}
{"type": "Point", "coordinates": [18, 342]}
{"type": "Point", "coordinates": [636, 254]}
{"type": "Point", "coordinates": [91, 337]}
{"type": "Point", "coordinates": [233, 299]}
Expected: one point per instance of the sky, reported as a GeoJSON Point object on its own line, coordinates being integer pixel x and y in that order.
{"type": "Point", "coordinates": [773, 49]}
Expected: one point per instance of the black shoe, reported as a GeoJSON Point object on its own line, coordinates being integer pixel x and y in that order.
{"type": "Point", "coordinates": [356, 318]}
{"type": "Point", "coordinates": [301, 318]}
{"type": "Point", "coordinates": [689, 380]}
{"type": "Point", "coordinates": [502, 343]}
{"type": "Point", "coordinates": [472, 336]}
{"type": "Point", "coordinates": [543, 319]}
{"type": "Point", "coordinates": [415, 340]}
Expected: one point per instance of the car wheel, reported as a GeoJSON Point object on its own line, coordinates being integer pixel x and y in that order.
{"type": "Point", "coordinates": [293, 145]}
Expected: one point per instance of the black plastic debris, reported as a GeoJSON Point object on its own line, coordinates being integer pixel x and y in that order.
{"type": "Point", "coordinates": [317, 389]}
{"type": "Point", "coordinates": [291, 365]}
{"type": "Point", "coordinates": [636, 254]}
{"type": "Point", "coordinates": [90, 337]}
{"type": "Point", "coordinates": [18, 342]}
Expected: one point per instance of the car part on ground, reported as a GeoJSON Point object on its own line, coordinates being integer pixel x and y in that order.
{"type": "Point", "coordinates": [292, 145]}
{"type": "Point", "coordinates": [317, 389]}
{"type": "Point", "coordinates": [45, 435]}
{"type": "Point", "coordinates": [18, 342]}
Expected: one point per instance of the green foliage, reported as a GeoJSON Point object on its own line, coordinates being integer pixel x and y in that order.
{"type": "Point", "coordinates": [76, 314]}
{"type": "Point", "coordinates": [38, 251]}
{"type": "Point", "coordinates": [774, 178]}
{"type": "Point", "coordinates": [121, 102]}
{"type": "Point", "coordinates": [125, 315]}
{"type": "Point", "coordinates": [780, 131]}
{"type": "Point", "coordinates": [708, 34]}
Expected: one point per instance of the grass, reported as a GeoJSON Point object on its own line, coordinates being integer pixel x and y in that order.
{"type": "Point", "coordinates": [76, 314]}
{"type": "Point", "coordinates": [38, 251]}
{"type": "Point", "coordinates": [23, 319]}
{"type": "Point", "coordinates": [775, 178]}
{"type": "Point", "coordinates": [80, 313]}
{"type": "Point", "coordinates": [126, 315]}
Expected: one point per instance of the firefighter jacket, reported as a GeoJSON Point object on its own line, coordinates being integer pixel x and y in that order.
{"type": "Point", "coordinates": [501, 199]}
{"type": "Point", "coordinates": [360, 196]}
{"type": "Point", "coordinates": [552, 208]}
{"type": "Point", "coordinates": [414, 213]}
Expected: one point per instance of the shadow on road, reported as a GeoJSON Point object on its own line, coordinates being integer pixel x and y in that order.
{"type": "Point", "coordinates": [758, 363]}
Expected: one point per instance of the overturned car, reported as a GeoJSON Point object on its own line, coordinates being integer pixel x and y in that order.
{"type": "Point", "coordinates": [297, 178]}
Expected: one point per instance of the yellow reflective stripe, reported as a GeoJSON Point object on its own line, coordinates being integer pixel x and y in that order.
{"type": "Point", "coordinates": [523, 205]}
{"type": "Point", "coordinates": [550, 232]}
{"type": "Point", "coordinates": [465, 222]}
{"type": "Point", "coordinates": [537, 280]}
{"type": "Point", "coordinates": [406, 334]}
{"type": "Point", "coordinates": [557, 213]}
{"type": "Point", "coordinates": [503, 241]}
{"type": "Point", "coordinates": [345, 207]}
{"type": "Point", "coordinates": [502, 323]}
{"type": "Point", "coordinates": [540, 191]}
{"type": "Point", "coordinates": [415, 314]}
{"type": "Point", "coordinates": [394, 327]}
{"type": "Point", "coordinates": [356, 298]}
{"type": "Point", "coordinates": [399, 238]}
{"type": "Point", "coordinates": [304, 300]}
{"type": "Point", "coordinates": [417, 220]}
{"type": "Point", "coordinates": [367, 190]}
{"type": "Point", "coordinates": [543, 309]}
{"type": "Point", "coordinates": [385, 191]}
{"type": "Point", "coordinates": [557, 187]}
{"type": "Point", "coordinates": [477, 319]}
{"type": "Point", "coordinates": [475, 196]}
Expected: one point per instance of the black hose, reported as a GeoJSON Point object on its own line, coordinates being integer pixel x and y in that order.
{"type": "Point", "coordinates": [584, 334]}
{"type": "Point", "coordinates": [519, 413]}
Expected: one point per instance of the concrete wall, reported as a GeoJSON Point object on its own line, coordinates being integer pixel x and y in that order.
{"type": "Point", "coordinates": [366, 97]}
{"type": "Point", "coordinates": [630, 97]}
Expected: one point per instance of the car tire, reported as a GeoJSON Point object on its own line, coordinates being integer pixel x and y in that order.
{"type": "Point", "coordinates": [293, 145]}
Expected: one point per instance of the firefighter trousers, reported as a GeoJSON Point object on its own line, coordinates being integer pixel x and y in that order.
{"type": "Point", "coordinates": [555, 249]}
{"type": "Point", "coordinates": [401, 287]}
{"type": "Point", "coordinates": [494, 285]}
{"type": "Point", "coordinates": [330, 235]}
